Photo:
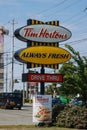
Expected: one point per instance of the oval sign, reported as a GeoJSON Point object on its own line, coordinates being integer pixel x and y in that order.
{"type": "Point", "coordinates": [43, 55]}
{"type": "Point", "coordinates": [43, 33]}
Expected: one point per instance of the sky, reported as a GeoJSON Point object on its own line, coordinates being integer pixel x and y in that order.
{"type": "Point", "coordinates": [72, 14]}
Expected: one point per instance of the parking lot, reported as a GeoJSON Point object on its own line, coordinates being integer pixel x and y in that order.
{"type": "Point", "coordinates": [16, 117]}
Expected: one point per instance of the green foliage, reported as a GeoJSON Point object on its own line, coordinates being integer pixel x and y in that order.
{"type": "Point", "coordinates": [49, 90]}
{"type": "Point", "coordinates": [56, 110]}
{"type": "Point", "coordinates": [75, 75]}
{"type": "Point", "coordinates": [73, 117]}
{"type": "Point", "coordinates": [70, 77]}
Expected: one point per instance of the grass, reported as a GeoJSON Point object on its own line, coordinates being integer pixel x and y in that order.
{"type": "Point", "coordinates": [28, 127]}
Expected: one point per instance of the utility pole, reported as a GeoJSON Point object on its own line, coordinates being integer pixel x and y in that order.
{"type": "Point", "coordinates": [6, 73]}
{"type": "Point", "coordinates": [12, 78]}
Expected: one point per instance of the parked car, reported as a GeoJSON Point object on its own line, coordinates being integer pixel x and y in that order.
{"type": "Point", "coordinates": [56, 101]}
{"type": "Point", "coordinates": [76, 102]}
{"type": "Point", "coordinates": [11, 100]}
{"type": "Point", "coordinates": [59, 100]}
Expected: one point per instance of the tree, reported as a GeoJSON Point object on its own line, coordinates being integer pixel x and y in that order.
{"type": "Point", "coordinates": [69, 87]}
{"type": "Point", "coordinates": [49, 89]}
{"type": "Point", "coordinates": [75, 75]}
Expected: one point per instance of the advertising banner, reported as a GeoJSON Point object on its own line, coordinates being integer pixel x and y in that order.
{"type": "Point", "coordinates": [42, 108]}
{"type": "Point", "coordinates": [43, 55]}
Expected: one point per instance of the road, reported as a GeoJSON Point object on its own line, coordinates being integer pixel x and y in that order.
{"type": "Point", "coordinates": [16, 117]}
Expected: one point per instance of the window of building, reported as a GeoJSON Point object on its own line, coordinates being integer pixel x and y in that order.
{"type": "Point", "coordinates": [1, 85]}
{"type": "Point", "coordinates": [1, 75]}
{"type": "Point", "coordinates": [1, 65]}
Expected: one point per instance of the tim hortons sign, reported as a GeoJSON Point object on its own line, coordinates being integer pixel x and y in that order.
{"type": "Point", "coordinates": [43, 33]}
{"type": "Point", "coordinates": [43, 55]}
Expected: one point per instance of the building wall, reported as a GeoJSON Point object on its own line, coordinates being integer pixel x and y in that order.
{"type": "Point", "coordinates": [1, 59]}
{"type": "Point", "coordinates": [32, 89]}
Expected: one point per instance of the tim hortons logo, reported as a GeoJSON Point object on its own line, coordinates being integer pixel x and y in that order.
{"type": "Point", "coordinates": [43, 33]}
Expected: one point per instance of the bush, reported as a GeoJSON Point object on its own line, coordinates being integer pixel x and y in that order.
{"type": "Point", "coordinates": [56, 110]}
{"type": "Point", "coordinates": [73, 117]}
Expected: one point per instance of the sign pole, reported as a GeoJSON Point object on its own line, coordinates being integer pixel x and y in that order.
{"type": "Point", "coordinates": [42, 83]}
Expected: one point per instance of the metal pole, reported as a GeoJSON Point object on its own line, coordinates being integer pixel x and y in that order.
{"type": "Point", "coordinates": [42, 83]}
{"type": "Point", "coordinates": [12, 55]}
{"type": "Point", "coordinates": [23, 87]}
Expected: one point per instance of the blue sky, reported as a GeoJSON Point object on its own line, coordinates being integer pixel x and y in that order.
{"type": "Point", "coordinates": [72, 14]}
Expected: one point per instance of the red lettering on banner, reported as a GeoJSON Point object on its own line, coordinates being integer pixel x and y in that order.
{"type": "Point", "coordinates": [37, 77]}
{"type": "Point", "coordinates": [28, 32]}
{"type": "Point", "coordinates": [45, 77]}
{"type": "Point", "coordinates": [43, 33]}
{"type": "Point", "coordinates": [41, 99]}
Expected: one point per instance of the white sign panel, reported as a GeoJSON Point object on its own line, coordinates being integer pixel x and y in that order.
{"type": "Point", "coordinates": [42, 108]}
{"type": "Point", "coordinates": [44, 33]}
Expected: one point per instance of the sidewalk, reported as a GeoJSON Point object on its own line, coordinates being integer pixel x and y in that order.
{"type": "Point", "coordinates": [35, 128]}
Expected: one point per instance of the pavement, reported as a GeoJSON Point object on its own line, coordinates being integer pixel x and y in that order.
{"type": "Point", "coordinates": [16, 117]}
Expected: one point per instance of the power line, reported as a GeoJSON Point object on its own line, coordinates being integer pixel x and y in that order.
{"type": "Point", "coordinates": [52, 7]}
{"type": "Point", "coordinates": [2, 65]}
{"type": "Point", "coordinates": [75, 42]}
{"type": "Point", "coordinates": [54, 12]}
